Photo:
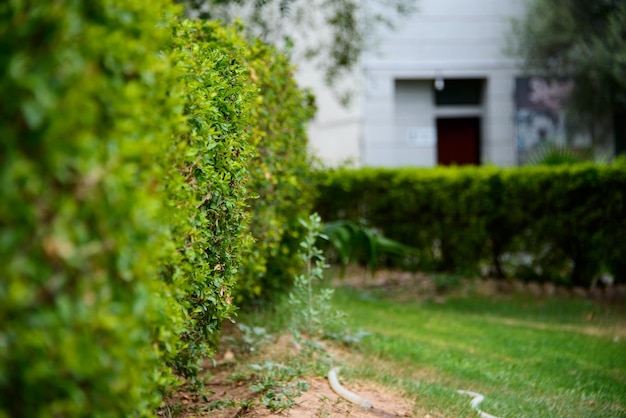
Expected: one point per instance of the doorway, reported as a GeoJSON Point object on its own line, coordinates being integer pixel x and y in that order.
{"type": "Point", "coordinates": [458, 141]}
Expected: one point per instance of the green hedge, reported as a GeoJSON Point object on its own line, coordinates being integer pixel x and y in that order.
{"type": "Point", "coordinates": [245, 107]}
{"type": "Point", "coordinates": [548, 223]}
{"type": "Point", "coordinates": [85, 117]}
{"type": "Point", "coordinates": [123, 207]}
{"type": "Point", "coordinates": [133, 143]}
{"type": "Point", "coordinates": [280, 176]}
{"type": "Point", "coordinates": [208, 180]}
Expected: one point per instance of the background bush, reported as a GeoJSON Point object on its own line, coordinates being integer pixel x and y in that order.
{"type": "Point", "coordinates": [85, 117]}
{"type": "Point", "coordinates": [548, 223]}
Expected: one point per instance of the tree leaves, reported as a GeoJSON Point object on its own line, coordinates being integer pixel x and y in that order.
{"type": "Point", "coordinates": [332, 34]}
{"type": "Point", "coordinates": [580, 39]}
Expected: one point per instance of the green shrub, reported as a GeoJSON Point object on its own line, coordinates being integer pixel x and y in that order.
{"type": "Point", "coordinates": [279, 174]}
{"type": "Point", "coordinates": [550, 223]}
{"type": "Point", "coordinates": [207, 181]}
{"type": "Point", "coordinates": [123, 217]}
{"type": "Point", "coordinates": [419, 208]}
{"type": "Point", "coordinates": [355, 242]}
{"type": "Point", "coordinates": [84, 121]}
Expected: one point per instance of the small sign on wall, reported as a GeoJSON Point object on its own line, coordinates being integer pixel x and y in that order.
{"type": "Point", "coordinates": [421, 136]}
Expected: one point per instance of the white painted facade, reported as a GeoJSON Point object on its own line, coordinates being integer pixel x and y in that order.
{"type": "Point", "coordinates": [393, 122]}
{"type": "Point", "coordinates": [335, 132]}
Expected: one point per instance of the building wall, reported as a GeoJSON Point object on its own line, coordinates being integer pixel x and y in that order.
{"type": "Point", "coordinates": [446, 39]}
{"type": "Point", "coordinates": [335, 132]}
{"type": "Point", "coordinates": [393, 122]}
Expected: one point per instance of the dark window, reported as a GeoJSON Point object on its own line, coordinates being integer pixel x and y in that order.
{"type": "Point", "coordinates": [466, 91]}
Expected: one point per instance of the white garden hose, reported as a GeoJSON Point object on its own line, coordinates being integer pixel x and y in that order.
{"type": "Point", "coordinates": [345, 393]}
{"type": "Point", "coordinates": [477, 399]}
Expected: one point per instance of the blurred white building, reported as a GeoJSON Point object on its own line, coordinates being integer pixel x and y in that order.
{"type": "Point", "coordinates": [439, 90]}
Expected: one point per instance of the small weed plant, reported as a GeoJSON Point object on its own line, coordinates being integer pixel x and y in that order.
{"type": "Point", "coordinates": [312, 313]}
{"type": "Point", "coordinates": [277, 384]}
{"type": "Point", "coordinates": [253, 337]}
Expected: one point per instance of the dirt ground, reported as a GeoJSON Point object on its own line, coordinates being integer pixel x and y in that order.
{"type": "Point", "coordinates": [418, 286]}
{"type": "Point", "coordinates": [319, 400]}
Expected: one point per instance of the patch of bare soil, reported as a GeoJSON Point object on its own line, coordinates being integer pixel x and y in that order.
{"type": "Point", "coordinates": [406, 286]}
{"type": "Point", "coordinates": [227, 397]}
{"type": "Point", "coordinates": [320, 401]}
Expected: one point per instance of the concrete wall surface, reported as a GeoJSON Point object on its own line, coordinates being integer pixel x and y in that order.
{"type": "Point", "coordinates": [392, 121]}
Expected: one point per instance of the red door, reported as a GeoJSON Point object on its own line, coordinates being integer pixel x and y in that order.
{"type": "Point", "coordinates": [458, 141]}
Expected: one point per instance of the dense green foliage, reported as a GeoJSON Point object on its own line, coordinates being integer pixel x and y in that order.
{"type": "Point", "coordinates": [132, 142]}
{"type": "Point", "coordinates": [279, 174]}
{"type": "Point", "coordinates": [355, 242]}
{"type": "Point", "coordinates": [550, 223]}
{"type": "Point", "coordinates": [207, 181]}
{"type": "Point", "coordinates": [85, 117]}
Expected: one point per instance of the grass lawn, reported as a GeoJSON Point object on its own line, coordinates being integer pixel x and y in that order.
{"type": "Point", "coordinates": [528, 357]}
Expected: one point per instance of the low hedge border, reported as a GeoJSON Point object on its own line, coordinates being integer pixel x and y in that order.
{"type": "Point", "coordinates": [564, 223]}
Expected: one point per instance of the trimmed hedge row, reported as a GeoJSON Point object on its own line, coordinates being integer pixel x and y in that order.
{"type": "Point", "coordinates": [132, 143]}
{"type": "Point", "coordinates": [207, 182]}
{"type": "Point", "coordinates": [85, 120]}
{"type": "Point", "coordinates": [549, 223]}
{"type": "Point", "coordinates": [280, 175]}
